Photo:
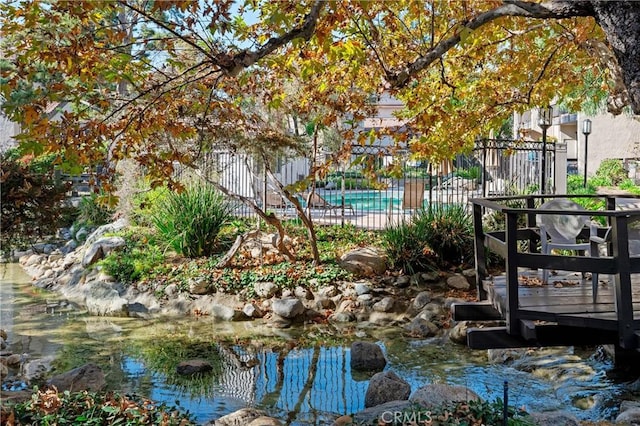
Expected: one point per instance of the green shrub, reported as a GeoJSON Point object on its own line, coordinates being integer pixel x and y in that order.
{"type": "Point", "coordinates": [139, 258]}
{"type": "Point", "coordinates": [51, 407]}
{"type": "Point", "coordinates": [406, 249]}
{"type": "Point", "coordinates": [472, 173]}
{"type": "Point", "coordinates": [448, 231]}
{"type": "Point", "coordinates": [190, 221]}
{"type": "Point", "coordinates": [146, 204]}
{"type": "Point", "coordinates": [93, 213]}
{"type": "Point", "coordinates": [436, 238]}
{"type": "Point", "coordinates": [610, 173]}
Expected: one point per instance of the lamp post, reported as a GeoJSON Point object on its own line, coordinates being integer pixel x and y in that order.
{"type": "Point", "coordinates": [586, 130]}
{"type": "Point", "coordinates": [544, 121]}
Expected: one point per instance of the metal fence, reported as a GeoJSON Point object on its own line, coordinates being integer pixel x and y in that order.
{"type": "Point", "coordinates": [350, 196]}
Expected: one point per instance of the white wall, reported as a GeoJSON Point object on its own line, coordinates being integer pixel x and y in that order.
{"type": "Point", "coordinates": [8, 129]}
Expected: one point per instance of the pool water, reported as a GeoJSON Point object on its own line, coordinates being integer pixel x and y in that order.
{"type": "Point", "coordinates": [365, 201]}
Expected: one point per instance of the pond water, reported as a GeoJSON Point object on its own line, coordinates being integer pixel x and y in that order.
{"type": "Point", "coordinates": [301, 375]}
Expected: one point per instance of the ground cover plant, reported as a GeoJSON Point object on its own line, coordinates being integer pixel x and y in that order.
{"type": "Point", "coordinates": [48, 407]}
{"type": "Point", "coordinates": [145, 262]}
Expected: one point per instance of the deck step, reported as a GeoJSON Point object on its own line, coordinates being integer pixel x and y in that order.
{"type": "Point", "coordinates": [475, 311]}
{"type": "Point", "coordinates": [538, 334]}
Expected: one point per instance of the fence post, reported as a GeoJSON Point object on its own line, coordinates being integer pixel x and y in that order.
{"type": "Point", "coordinates": [560, 168]}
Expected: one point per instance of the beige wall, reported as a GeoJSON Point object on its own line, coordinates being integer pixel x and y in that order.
{"type": "Point", "coordinates": [611, 137]}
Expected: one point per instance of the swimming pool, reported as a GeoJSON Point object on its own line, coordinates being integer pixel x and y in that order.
{"type": "Point", "coordinates": [365, 201]}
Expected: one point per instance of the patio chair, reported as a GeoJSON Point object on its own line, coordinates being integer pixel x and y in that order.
{"type": "Point", "coordinates": [558, 231]}
{"type": "Point", "coordinates": [275, 201]}
{"type": "Point", "coordinates": [317, 202]}
{"type": "Point", "coordinates": [412, 199]}
{"type": "Point", "coordinates": [413, 195]}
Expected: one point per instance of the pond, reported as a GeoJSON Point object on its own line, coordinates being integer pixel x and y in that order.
{"type": "Point", "coordinates": [300, 375]}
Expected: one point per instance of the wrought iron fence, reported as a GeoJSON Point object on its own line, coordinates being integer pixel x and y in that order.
{"type": "Point", "coordinates": [350, 196]}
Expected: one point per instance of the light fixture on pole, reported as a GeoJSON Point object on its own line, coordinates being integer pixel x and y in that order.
{"type": "Point", "coordinates": [545, 116]}
{"type": "Point", "coordinates": [586, 131]}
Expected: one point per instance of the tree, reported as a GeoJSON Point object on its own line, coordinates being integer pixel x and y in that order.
{"type": "Point", "coordinates": [460, 67]}
{"type": "Point", "coordinates": [32, 200]}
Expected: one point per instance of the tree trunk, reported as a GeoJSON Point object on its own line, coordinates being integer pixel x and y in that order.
{"type": "Point", "coordinates": [620, 21]}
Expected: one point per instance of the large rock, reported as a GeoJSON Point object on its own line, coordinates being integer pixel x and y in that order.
{"type": "Point", "coordinates": [420, 327]}
{"type": "Point", "coordinates": [100, 248]}
{"type": "Point", "coordinates": [380, 413]}
{"type": "Point", "coordinates": [437, 394]}
{"type": "Point", "coordinates": [367, 356]}
{"type": "Point", "coordinates": [365, 261]}
{"type": "Point", "coordinates": [458, 282]}
{"type": "Point", "coordinates": [103, 299]}
{"type": "Point", "coordinates": [288, 308]}
{"type": "Point", "coordinates": [104, 229]}
{"type": "Point", "coordinates": [386, 387]}
{"type": "Point", "coordinates": [265, 289]}
{"type": "Point", "coordinates": [88, 377]}
{"type": "Point", "coordinates": [265, 421]}
{"type": "Point", "coordinates": [629, 413]}
{"type": "Point", "coordinates": [241, 417]}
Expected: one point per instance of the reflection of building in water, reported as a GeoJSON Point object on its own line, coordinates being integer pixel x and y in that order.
{"type": "Point", "coordinates": [306, 381]}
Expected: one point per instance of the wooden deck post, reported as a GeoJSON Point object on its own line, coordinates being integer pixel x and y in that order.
{"type": "Point", "coordinates": [511, 238]}
{"type": "Point", "coordinates": [481, 260]}
{"type": "Point", "coordinates": [622, 282]}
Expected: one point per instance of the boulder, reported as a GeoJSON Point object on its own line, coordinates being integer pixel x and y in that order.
{"type": "Point", "coordinates": [364, 261]}
{"type": "Point", "coordinates": [437, 394]}
{"type": "Point", "coordinates": [421, 300]}
{"type": "Point", "coordinates": [265, 421]}
{"type": "Point", "coordinates": [361, 288]}
{"type": "Point", "coordinates": [100, 248]}
{"type": "Point", "coordinates": [241, 417]}
{"type": "Point", "coordinates": [288, 308]}
{"type": "Point", "coordinates": [377, 414]}
{"type": "Point", "coordinates": [458, 282]}
{"type": "Point", "coordinates": [303, 293]}
{"type": "Point", "coordinates": [193, 366]}
{"type": "Point", "coordinates": [103, 299]}
{"type": "Point", "coordinates": [420, 327]}
{"type": "Point", "coordinates": [104, 229]}
{"type": "Point", "coordinates": [629, 413]}
{"type": "Point", "coordinates": [87, 377]}
{"type": "Point", "coordinates": [225, 312]}
{"type": "Point", "coordinates": [252, 311]}
{"type": "Point", "coordinates": [458, 333]}
{"type": "Point", "coordinates": [386, 304]}
{"type": "Point", "coordinates": [265, 289]}
{"type": "Point", "coordinates": [366, 356]}
{"type": "Point", "coordinates": [384, 387]}
{"type": "Point", "coordinates": [403, 281]}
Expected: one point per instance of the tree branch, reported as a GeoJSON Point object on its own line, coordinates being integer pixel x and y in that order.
{"type": "Point", "coordinates": [246, 58]}
{"type": "Point", "coordinates": [553, 10]}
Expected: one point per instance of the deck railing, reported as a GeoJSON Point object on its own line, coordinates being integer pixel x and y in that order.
{"type": "Point", "coordinates": [517, 242]}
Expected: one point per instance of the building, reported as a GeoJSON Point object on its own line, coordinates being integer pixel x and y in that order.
{"type": "Point", "coordinates": [611, 136]}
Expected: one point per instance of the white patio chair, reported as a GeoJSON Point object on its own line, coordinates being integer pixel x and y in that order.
{"type": "Point", "coordinates": [558, 231]}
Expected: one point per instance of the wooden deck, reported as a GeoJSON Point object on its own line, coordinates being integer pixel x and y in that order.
{"type": "Point", "coordinates": [566, 300]}
{"type": "Point", "coordinates": [562, 312]}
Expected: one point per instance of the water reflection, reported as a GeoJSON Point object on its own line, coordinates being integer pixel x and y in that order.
{"type": "Point", "coordinates": [303, 383]}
